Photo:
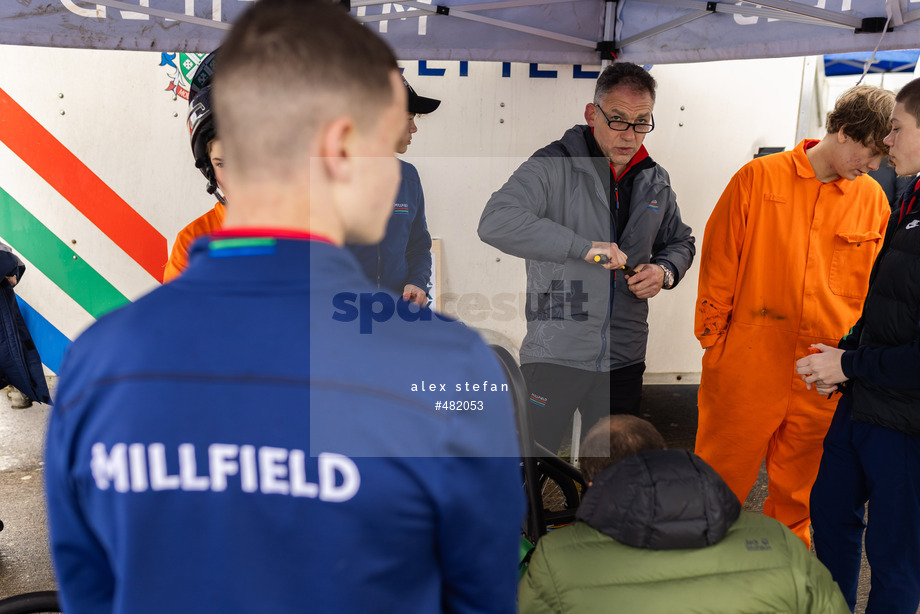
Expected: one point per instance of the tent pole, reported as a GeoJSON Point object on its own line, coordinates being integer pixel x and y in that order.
{"type": "Point", "coordinates": [674, 23]}
{"type": "Point", "coordinates": [749, 10]}
{"type": "Point", "coordinates": [430, 9]}
{"type": "Point", "coordinates": [610, 21]}
{"type": "Point", "coordinates": [796, 8]}
{"type": "Point", "coordinates": [146, 10]}
{"type": "Point", "coordinates": [806, 97]}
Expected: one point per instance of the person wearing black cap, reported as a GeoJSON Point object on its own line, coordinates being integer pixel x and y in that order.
{"type": "Point", "coordinates": [402, 261]}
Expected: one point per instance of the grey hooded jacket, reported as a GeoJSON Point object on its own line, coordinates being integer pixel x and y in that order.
{"type": "Point", "coordinates": [549, 212]}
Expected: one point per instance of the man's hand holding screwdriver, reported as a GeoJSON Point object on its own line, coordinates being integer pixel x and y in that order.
{"type": "Point", "coordinates": [610, 255]}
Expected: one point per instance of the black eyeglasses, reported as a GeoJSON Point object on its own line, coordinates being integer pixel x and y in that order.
{"type": "Point", "coordinates": [642, 127]}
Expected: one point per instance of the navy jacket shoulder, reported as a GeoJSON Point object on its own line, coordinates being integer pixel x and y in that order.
{"type": "Point", "coordinates": [404, 255]}
{"type": "Point", "coordinates": [227, 437]}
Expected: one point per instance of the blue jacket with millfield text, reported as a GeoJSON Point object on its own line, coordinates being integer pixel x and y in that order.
{"type": "Point", "coordinates": [240, 440]}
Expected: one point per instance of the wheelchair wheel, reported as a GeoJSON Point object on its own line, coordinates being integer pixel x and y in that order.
{"type": "Point", "coordinates": [39, 602]}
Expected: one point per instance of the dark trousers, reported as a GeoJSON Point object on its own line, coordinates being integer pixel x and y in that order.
{"type": "Point", "coordinates": [864, 462]}
{"type": "Point", "coordinates": [557, 391]}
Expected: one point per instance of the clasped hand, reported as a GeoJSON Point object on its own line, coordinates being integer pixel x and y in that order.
{"type": "Point", "coordinates": [821, 369]}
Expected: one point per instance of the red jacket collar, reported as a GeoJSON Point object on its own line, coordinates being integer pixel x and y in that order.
{"type": "Point", "coordinates": [280, 233]}
{"type": "Point", "coordinates": [641, 155]}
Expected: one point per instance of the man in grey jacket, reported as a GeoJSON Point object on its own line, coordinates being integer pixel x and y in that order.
{"type": "Point", "coordinates": [598, 224]}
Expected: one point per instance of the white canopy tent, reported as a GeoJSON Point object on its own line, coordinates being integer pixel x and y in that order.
{"type": "Point", "coordinates": [512, 114]}
{"type": "Point", "coordinates": [884, 62]}
{"type": "Point", "coordinates": [550, 31]}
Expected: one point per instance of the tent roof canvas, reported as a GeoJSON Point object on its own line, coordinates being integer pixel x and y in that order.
{"type": "Point", "coordinates": [549, 31]}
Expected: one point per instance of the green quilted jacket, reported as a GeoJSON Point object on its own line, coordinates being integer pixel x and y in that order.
{"type": "Point", "coordinates": [660, 532]}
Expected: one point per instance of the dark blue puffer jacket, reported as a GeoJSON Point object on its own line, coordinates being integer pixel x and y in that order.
{"type": "Point", "coordinates": [20, 364]}
{"type": "Point", "coordinates": [882, 360]}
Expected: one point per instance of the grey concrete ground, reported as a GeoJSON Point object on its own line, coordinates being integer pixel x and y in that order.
{"type": "Point", "coordinates": [25, 563]}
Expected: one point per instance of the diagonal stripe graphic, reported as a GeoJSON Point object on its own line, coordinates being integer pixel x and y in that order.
{"type": "Point", "coordinates": [63, 171]}
{"type": "Point", "coordinates": [23, 231]}
{"type": "Point", "coordinates": [50, 342]}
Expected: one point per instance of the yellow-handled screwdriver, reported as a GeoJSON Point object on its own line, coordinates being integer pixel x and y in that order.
{"type": "Point", "coordinates": [628, 271]}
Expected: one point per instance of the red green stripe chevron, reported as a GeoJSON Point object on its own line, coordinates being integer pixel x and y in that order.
{"type": "Point", "coordinates": [63, 171]}
{"type": "Point", "coordinates": [23, 231]}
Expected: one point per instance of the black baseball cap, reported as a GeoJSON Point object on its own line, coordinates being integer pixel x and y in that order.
{"type": "Point", "coordinates": [419, 104]}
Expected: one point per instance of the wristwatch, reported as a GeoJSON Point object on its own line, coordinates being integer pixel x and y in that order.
{"type": "Point", "coordinates": [668, 276]}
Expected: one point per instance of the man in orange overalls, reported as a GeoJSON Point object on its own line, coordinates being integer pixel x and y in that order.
{"type": "Point", "coordinates": [785, 263]}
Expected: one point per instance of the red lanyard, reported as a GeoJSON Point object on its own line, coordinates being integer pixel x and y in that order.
{"type": "Point", "coordinates": [907, 207]}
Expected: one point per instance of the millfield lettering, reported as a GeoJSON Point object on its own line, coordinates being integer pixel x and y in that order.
{"type": "Point", "coordinates": [272, 471]}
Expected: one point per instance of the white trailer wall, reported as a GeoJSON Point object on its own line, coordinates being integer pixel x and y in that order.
{"type": "Point", "coordinates": [710, 119]}
{"type": "Point", "coordinates": [111, 111]}
{"type": "Point", "coordinates": [118, 119]}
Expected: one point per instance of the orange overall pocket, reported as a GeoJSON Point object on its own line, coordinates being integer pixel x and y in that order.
{"type": "Point", "coordinates": [854, 254]}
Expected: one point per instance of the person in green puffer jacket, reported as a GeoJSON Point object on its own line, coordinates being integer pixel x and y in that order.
{"type": "Point", "coordinates": [660, 532]}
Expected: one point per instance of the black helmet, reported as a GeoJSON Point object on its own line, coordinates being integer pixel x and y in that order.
{"type": "Point", "coordinates": [201, 132]}
{"type": "Point", "coordinates": [201, 121]}
{"type": "Point", "coordinates": [202, 76]}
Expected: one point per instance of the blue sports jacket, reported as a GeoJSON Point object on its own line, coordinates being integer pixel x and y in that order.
{"type": "Point", "coordinates": [404, 255]}
{"type": "Point", "coordinates": [233, 442]}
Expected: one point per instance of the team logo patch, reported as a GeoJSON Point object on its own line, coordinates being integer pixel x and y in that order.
{"type": "Point", "coordinates": [653, 204]}
{"type": "Point", "coordinates": [244, 246]}
{"type": "Point", "coordinates": [753, 545]}
{"type": "Point", "coordinates": [183, 67]}
{"type": "Point", "coordinates": [399, 209]}
{"type": "Point", "coordinates": [538, 400]}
